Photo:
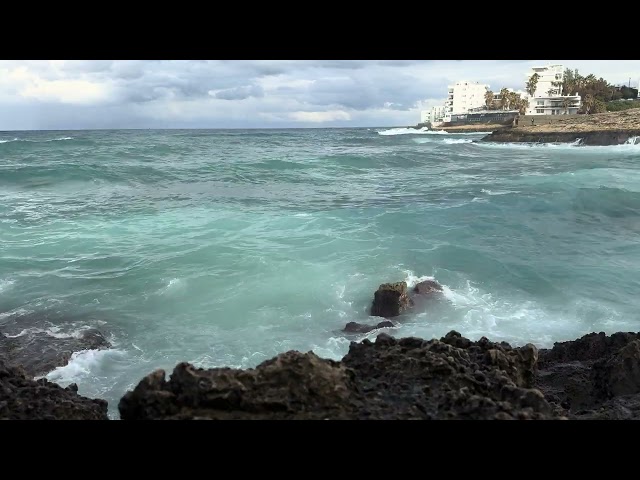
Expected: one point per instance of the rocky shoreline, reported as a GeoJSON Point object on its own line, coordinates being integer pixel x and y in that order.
{"type": "Point", "coordinates": [613, 128]}
{"type": "Point", "coordinates": [594, 377]}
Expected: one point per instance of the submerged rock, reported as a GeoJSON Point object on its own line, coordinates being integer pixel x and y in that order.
{"type": "Point", "coordinates": [409, 378]}
{"type": "Point", "coordinates": [39, 353]}
{"type": "Point", "coordinates": [390, 300]}
{"type": "Point", "coordinates": [355, 327]}
{"type": "Point", "coordinates": [22, 398]}
{"type": "Point", "coordinates": [428, 287]}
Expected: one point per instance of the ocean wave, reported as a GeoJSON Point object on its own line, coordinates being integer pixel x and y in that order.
{"type": "Point", "coordinates": [81, 365]}
{"type": "Point", "coordinates": [411, 131]}
{"type": "Point", "coordinates": [37, 141]}
{"type": "Point", "coordinates": [54, 332]}
{"type": "Point", "coordinates": [452, 141]}
{"type": "Point", "coordinates": [6, 285]}
{"type": "Point", "coordinates": [498, 192]}
{"type": "Point", "coordinates": [631, 144]}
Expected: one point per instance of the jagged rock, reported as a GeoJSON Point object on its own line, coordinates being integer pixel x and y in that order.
{"type": "Point", "coordinates": [428, 287]}
{"type": "Point", "coordinates": [390, 300]}
{"type": "Point", "coordinates": [22, 398]}
{"type": "Point", "coordinates": [290, 386]}
{"type": "Point", "coordinates": [594, 377]}
{"type": "Point", "coordinates": [409, 378]}
{"type": "Point", "coordinates": [355, 327]}
{"type": "Point", "coordinates": [39, 353]}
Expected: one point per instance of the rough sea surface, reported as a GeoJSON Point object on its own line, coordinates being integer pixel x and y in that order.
{"type": "Point", "coordinates": [227, 247]}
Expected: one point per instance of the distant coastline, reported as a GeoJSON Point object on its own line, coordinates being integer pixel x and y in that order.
{"type": "Point", "coordinates": [614, 128]}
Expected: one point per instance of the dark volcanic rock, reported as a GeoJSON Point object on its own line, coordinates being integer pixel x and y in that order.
{"type": "Point", "coordinates": [599, 137]}
{"type": "Point", "coordinates": [390, 300]}
{"type": "Point", "coordinates": [39, 353]}
{"type": "Point", "coordinates": [428, 287]}
{"type": "Point", "coordinates": [22, 398]}
{"type": "Point", "coordinates": [594, 377]}
{"type": "Point", "coordinates": [290, 386]}
{"type": "Point", "coordinates": [451, 378]}
{"type": "Point", "coordinates": [355, 327]}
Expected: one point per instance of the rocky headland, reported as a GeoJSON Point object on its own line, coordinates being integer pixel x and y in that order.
{"type": "Point", "coordinates": [594, 377]}
{"type": "Point", "coordinates": [612, 128]}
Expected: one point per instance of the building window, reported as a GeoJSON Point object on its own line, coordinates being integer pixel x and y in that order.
{"type": "Point", "coordinates": [540, 102]}
{"type": "Point", "coordinates": [539, 110]}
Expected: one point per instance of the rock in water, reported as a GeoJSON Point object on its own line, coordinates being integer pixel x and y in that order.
{"type": "Point", "coordinates": [39, 353]}
{"type": "Point", "coordinates": [22, 398]}
{"type": "Point", "coordinates": [390, 300]}
{"type": "Point", "coordinates": [428, 287]}
{"type": "Point", "coordinates": [355, 327]}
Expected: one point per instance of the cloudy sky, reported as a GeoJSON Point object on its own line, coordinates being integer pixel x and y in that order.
{"type": "Point", "coordinates": [78, 94]}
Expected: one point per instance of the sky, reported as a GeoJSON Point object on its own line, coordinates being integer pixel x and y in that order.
{"type": "Point", "coordinates": [94, 94]}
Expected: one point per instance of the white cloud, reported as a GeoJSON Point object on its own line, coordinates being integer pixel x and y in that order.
{"type": "Point", "coordinates": [223, 93]}
{"type": "Point", "coordinates": [67, 91]}
{"type": "Point", "coordinates": [320, 117]}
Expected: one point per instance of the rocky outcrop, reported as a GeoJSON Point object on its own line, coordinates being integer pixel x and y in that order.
{"type": "Point", "coordinates": [355, 327]}
{"type": "Point", "coordinates": [428, 287]}
{"type": "Point", "coordinates": [39, 353]}
{"type": "Point", "coordinates": [410, 378]}
{"type": "Point", "coordinates": [290, 386]}
{"type": "Point", "coordinates": [594, 377]}
{"type": "Point", "coordinates": [22, 398]}
{"type": "Point", "coordinates": [612, 128]}
{"type": "Point", "coordinates": [390, 300]}
{"type": "Point", "coordinates": [597, 137]}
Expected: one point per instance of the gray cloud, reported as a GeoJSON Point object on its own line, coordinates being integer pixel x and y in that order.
{"type": "Point", "coordinates": [240, 93]}
{"type": "Point", "coordinates": [226, 93]}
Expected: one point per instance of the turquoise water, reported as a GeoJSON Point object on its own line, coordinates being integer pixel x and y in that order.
{"type": "Point", "coordinates": [224, 248]}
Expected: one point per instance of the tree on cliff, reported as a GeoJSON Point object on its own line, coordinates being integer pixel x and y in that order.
{"type": "Point", "coordinates": [532, 83]}
{"type": "Point", "coordinates": [488, 99]}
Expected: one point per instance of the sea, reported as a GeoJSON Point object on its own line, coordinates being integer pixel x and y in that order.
{"type": "Point", "coordinates": [223, 248]}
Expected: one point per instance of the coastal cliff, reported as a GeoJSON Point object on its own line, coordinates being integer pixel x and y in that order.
{"type": "Point", "coordinates": [594, 377]}
{"type": "Point", "coordinates": [600, 129]}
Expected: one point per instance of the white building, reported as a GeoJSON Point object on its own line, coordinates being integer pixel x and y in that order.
{"type": "Point", "coordinates": [548, 99]}
{"type": "Point", "coordinates": [434, 116]}
{"type": "Point", "coordinates": [464, 96]}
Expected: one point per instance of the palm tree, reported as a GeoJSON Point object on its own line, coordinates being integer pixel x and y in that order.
{"type": "Point", "coordinates": [514, 99]}
{"type": "Point", "coordinates": [551, 92]}
{"type": "Point", "coordinates": [523, 104]}
{"type": "Point", "coordinates": [566, 102]}
{"type": "Point", "coordinates": [504, 99]}
{"type": "Point", "coordinates": [589, 102]}
{"type": "Point", "coordinates": [488, 99]}
{"type": "Point", "coordinates": [532, 83]}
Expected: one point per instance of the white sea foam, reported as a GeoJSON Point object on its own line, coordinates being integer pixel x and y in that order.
{"type": "Point", "coordinates": [5, 285]}
{"type": "Point", "coordinates": [36, 141]}
{"type": "Point", "coordinates": [457, 140]}
{"type": "Point", "coordinates": [412, 280]}
{"type": "Point", "coordinates": [81, 365]}
{"type": "Point", "coordinates": [411, 131]}
{"type": "Point", "coordinates": [52, 332]}
{"type": "Point", "coordinates": [174, 285]}
{"type": "Point", "coordinates": [576, 146]}
{"type": "Point", "coordinates": [498, 192]}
